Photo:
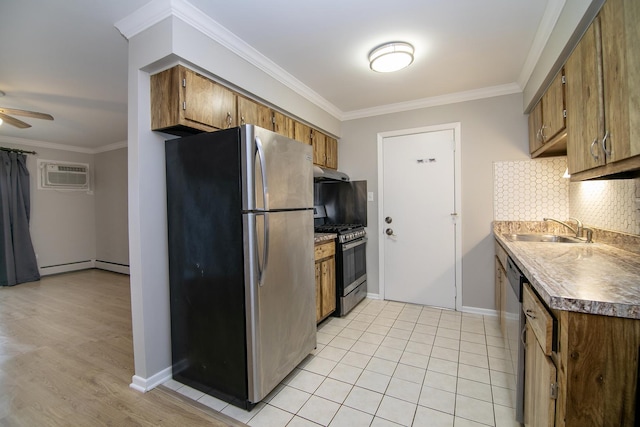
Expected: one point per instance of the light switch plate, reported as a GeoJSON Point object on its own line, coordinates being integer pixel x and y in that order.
{"type": "Point", "coordinates": [370, 196]}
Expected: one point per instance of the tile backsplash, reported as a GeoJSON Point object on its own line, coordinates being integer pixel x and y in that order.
{"type": "Point", "coordinates": [528, 190]}
{"type": "Point", "coordinates": [611, 204]}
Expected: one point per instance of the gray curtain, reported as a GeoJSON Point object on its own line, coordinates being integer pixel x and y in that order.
{"type": "Point", "coordinates": [17, 259]}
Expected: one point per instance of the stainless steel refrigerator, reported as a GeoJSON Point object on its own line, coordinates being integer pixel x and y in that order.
{"type": "Point", "coordinates": [241, 264]}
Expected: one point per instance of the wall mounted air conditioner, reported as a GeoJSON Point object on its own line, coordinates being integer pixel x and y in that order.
{"type": "Point", "coordinates": [63, 176]}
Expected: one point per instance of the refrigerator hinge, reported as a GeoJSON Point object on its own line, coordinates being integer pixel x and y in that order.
{"type": "Point", "coordinates": [554, 390]}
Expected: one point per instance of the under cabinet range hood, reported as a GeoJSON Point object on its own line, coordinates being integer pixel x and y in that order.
{"type": "Point", "coordinates": [325, 174]}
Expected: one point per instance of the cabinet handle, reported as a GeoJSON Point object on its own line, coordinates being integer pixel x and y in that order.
{"type": "Point", "coordinates": [529, 313]}
{"type": "Point", "coordinates": [229, 119]}
{"type": "Point", "coordinates": [542, 133]}
{"type": "Point", "coordinates": [607, 153]}
{"type": "Point", "coordinates": [522, 336]}
{"type": "Point", "coordinates": [595, 156]}
{"type": "Point", "coordinates": [242, 120]}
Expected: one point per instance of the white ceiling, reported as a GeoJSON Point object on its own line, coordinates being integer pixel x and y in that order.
{"type": "Point", "coordinates": [66, 57]}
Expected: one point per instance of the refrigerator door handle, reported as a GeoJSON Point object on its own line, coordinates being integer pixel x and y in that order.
{"type": "Point", "coordinates": [263, 172]}
{"type": "Point", "coordinates": [265, 249]}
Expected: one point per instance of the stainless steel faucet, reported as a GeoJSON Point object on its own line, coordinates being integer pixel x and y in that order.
{"type": "Point", "coordinates": [578, 231]}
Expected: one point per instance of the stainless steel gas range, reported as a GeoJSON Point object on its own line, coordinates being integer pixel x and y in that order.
{"type": "Point", "coordinates": [351, 261]}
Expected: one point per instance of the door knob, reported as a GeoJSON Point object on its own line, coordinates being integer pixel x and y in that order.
{"type": "Point", "coordinates": [388, 220]}
{"type": "Point", "coordinates": [389, 232]}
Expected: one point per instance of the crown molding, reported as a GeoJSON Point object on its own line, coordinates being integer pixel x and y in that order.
{"type": "Point", "coordinates": [158, 10]}
{"type": "Point", "coordinates": [547, 24]}
{"type": "Point", "coordinates": [452, 98]}
{"type": "Point", "coordinates": [63, 147]}
{"type": "Point", "coordinates": [143, 18]}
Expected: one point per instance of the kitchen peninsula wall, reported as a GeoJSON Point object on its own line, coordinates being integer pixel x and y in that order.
{"type": "Point", "coordinates": [528, 190]}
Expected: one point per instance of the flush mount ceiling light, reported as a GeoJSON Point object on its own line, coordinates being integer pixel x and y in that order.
{"type": "Point", "coordinates": [390, 57]}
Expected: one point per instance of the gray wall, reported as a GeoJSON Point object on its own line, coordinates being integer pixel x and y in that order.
{"type": "Point", "coordinates": [492, 129]}
{"type": "Point", "coordinates": [112, 228]}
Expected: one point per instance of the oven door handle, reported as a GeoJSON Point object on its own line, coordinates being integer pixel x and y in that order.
{"type": "Point", "coordinates": [350, 245]}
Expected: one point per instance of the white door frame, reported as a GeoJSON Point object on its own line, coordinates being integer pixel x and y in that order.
{"type": "Point", "coordinates": [457, 200]}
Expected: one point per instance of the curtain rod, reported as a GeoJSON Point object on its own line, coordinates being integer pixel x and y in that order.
{"type": "Point", "coordinates": [17, 150]}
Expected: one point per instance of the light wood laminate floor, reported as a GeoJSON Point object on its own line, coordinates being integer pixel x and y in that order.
{"type": "Point", "coordinates": [66, 358]}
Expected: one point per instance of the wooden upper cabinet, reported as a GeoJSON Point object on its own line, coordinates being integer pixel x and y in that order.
{"type": "Point", "coordinates": [283, 125]}
{"type": "Point", "coordinates": [331, 150]}
{"type": "Point", "coordinates": [604, 134]}
{"type": "Point", "coordinates": [584, 121]}
{"type": "Point", "coordinates": [553, 111]}
{"type": "Point", "coordinates": [302, 133]}
{"type": "Point", "coordinates": [547, 121]}
{"type": "Point", "coordinates": [251, 112]}
{"type": "Point", "coordinates": [535, 127]}
{"type": "Point", "coordinates": [184, 102]}
{"type": "Point", "coordinates": [620, 24]}
{"type": "Point", "coordinates": [319, 147]}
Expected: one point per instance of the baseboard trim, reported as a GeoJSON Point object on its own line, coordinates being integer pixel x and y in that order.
{"type": "Point", "coordinates": [373, 296]}
{"type": "Point", "coordinates": [482, 311]}
{"type": "Point", "coordinates": [65, 268]}
{"type": "Point", "coordinates": [143, 385]}
{"type": "Point", "coordinates": [109, 266]}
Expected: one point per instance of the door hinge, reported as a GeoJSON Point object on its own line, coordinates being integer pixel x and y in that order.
{"type": "Point", "coordinates": [184, 82]}
{"type": "Point", "coordinates": [564, 80]}
{"type": "Point", "coordinates": [184, 105]}
{"type": "Point", "coordinates": [564, 113]}
{"type": "Point", "coordinates": [554, 390]}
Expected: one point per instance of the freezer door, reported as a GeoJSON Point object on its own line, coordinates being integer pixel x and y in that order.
{"type": "Point", "coordinates": [280, 292]}
{"type": "Point", "coordinates": [277, 171]}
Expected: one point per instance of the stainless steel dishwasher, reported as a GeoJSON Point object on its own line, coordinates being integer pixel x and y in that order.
{"type": "Point", "coordinates": [515, 325]}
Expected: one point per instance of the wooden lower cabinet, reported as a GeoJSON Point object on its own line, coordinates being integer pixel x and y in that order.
{"type": "Point", "coordinates": [592, 370]}
{"type": "Point", "coordinates": [540, 380]}
{"type": "Point", "coordinates": [325, 279]}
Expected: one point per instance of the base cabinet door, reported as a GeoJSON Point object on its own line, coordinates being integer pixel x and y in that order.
{"type": "Point", "coordinates": [325, 279]}
{"type": "Point", "coordinates": [540, 383]}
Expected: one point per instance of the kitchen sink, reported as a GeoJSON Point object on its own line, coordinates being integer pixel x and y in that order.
{"type": "Point", "coordinates": [549, 238]}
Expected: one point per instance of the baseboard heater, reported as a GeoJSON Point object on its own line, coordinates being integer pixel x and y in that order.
{"type": "Point", "coordinates": [112, 266]}
{"type": "Point", "coordinates": [66, 267]}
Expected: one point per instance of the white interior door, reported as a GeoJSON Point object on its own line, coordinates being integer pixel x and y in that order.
{"type": "Point", "coordinates": [419, 218]}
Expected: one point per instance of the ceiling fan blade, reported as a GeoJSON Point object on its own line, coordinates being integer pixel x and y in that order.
{"type": "Point", "coordinates": [14, 122]}
{"type": "Point", "coordinates": [26, 113]}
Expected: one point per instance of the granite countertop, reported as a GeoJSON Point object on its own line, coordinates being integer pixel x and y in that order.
{"type": "Point", "coordinates": [593, 278]}
{"type": "Point", "coordinates": [322, 237]}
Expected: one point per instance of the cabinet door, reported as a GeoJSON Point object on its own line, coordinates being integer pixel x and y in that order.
{"type": "Point", "coordinates": [302, 133]}
{"type": "Point", "coordinates": [207, 102]}
{"type": "Point", "coordinates": [583, 104]}
{"type": "Point", "coordinates": [331, 151]}
{"type": "Point", "coordinates": [250, 112]}
{"type": "Point", "coordinates": [620, 57]}
{"type": "Point", "coordinates": [319, 146]}
{"type": "Point", "coordinates": [283, 125]}
{"type": "Point", "coordinates": [328, 286]}
{"type": "Point", "coordinates": [540, 375]}
{"type": "Point", "coordinates": [535, 126]}
{"type": "Point", "coordinates": [318, 291]}
{"type": "Point", "coordinates": [553, 109]}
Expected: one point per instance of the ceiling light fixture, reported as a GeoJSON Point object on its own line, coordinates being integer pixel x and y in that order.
{"type": "Point", "coordinates": [391, 56]}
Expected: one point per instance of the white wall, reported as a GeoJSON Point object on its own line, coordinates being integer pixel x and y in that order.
{"type": "Point", "coordinates": [112, 228]}
{"type": "Point", "coordinates": [491, 129]}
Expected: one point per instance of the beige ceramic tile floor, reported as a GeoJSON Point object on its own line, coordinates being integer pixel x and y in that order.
{"type": "Point", "coordinates": [391, 364]}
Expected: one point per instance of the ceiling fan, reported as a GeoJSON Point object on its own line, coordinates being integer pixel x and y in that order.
{"type": "Point", "coordinates": [5, 117]}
